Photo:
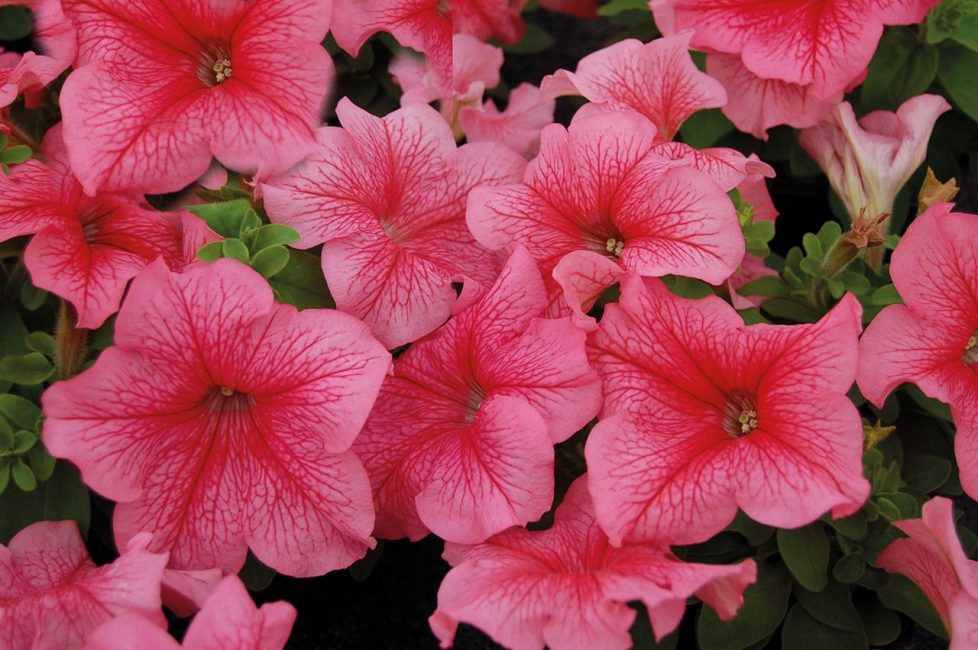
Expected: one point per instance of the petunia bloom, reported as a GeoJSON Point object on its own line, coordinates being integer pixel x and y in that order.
{"type": "Point", "coordinates": [229, 619]}
{"type": "Point", "coordinates": [57, 47]}
{"type": "Point", "coordinates": [518, 127]}
{"type": "Point", "coordinates": [164, 86]}
{"type": "Point", "coordinates": [222, 421]}
{"type": "Point", "coordinates": [703, 415]}
{"type": "Point", "coordinates": [602, 197]}
{"type": "Point", "coordinates": [461, 439]}
{"type": "Point", "coordinates": [87, 248]}
{"type": "Point", "coordinates": [932, 557]}
{"type": "Point", "coordinates": [387, 198]}
{"type": "Point", "coordinates": [868, 161]}
{"type": "Point", "coordinates": [52, 596]}
{"type": "Point", "coordinates": [657, 79]}
{"type": "Point", "coordinates": [827, 45]}
{"type": "Point", "coordinates": [567, 587]}
{"type": "Point", "coordinates": [930, 340]}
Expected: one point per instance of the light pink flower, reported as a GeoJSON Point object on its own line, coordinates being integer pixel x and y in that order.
{"type": "Point", "coordinates": [387, 197]}
{"type": "Point", "coordinates": [657, 79]}
{"type": "Point", "coordinates": [52, 596]}
{"type": "Point", "coordinates": [87, 248]}
{"type": "Point", "coordinates": [703, 415]}
{"type": "Point", "coordinates": [55, 37]}
{"type": "Point", "coordinates": [869, 160]}
{"type": "Point", "coordinates": [165, 85]}
{"type": "Point", "coordinates": [606, 193]}
{"type": "Point", "coordinates": [461, 439]}
{"type": "Point", "coordinates": [568, 587]}
{"type": "Point", "coordinates": [221, 421]}
{"type": "Point", "coordinates": [930, 340]}
{"type": "Point", "coordinates": [932, 557]}
{"type": "Point", "coordinates": [827, 45]}
{"type": "Point", "coordinates": [518, 127]}
{"type": "Point", "coordinates": [229, 619]}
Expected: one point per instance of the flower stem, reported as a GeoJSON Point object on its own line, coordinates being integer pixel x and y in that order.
{"type": "Point", "coordinates": [70, 342]}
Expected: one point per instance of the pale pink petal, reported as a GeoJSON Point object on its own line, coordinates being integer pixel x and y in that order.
{"type": "Point", "coordinates": [518, 127]}
{"type": "Point", "coordinates": [130, 632]}
{"type": "Point", "coordinates": [229, 619]}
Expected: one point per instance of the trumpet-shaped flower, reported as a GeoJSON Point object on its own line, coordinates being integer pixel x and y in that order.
{"type": "Point", "coordinates": [461, 439]}
{"type": "Point", "coordinates": [387, 197]}
{"type": "Point", "coordinates": [932, 557]}
{"type": "Point", "coordinates": [52, 596]}
{"type": "Point", "coordinates": [57, 47]}
{"type": "Point", "coordinates": [87, 248]}
{"type": "Point", "coordinates": [229, 619]}
{"type": "Point", "coordinates": [703, 415]}
{"type": "Point", "coordinates": [568, 587]}
{"type": "Point", "coordinates": [518, 127]}
{"type": "Point", "coordinates": [930, 340]}
{"type": "Point", "coordinates": [605, 191]}
{"type": "Point", "coordinates": [869, 160]}
{"type": "Point", "coordinates": [164, 86]}
{"type": "Point", "coordinates": [222, 421]}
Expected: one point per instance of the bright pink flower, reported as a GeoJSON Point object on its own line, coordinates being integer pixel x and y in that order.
{"type": "Point", "coordinates": [486, 19]}
{"type": "Point", "coordinates": [518, 127]}
{"type": "Point", "coordinates": [605, 192]}
{"type": "Point", "coordinates": [419, 24]}
{"type": "Point", "coordinates": [579, 8]}
{"type": "Point", "coordinates": [86, 249]}
{"type": "Point", "coordinates": [933, 558]}
{"type": "Point", "coordinates": [52, 596]}
{"type": "Point", "coordinates": [755, 105]}
{"type": "Point", "coordinates": [55, 37]}
{"type": "Point", "coordinates": [930, 340]}
{"type": "Point", "coordinates": [868, 161]}
{"type": "Point", "coordinates": [567, 587]}
{"type": "Point", "coordinates": [222, 421]}
{"type": "Point", "coordinates": [387, 197]}
{"type": "Point", "coordinates": [461, 439]}
{"type": "Point", "coordinates": [826, 44]}
{"type": "Point", "coordinates": [229, 619]}
{"type": "Point", "coordinates": [165, 85]}
{"type": "Point", "coordinates": [712, 415]}
{"type": "Point", "coordinates": [657, 79]}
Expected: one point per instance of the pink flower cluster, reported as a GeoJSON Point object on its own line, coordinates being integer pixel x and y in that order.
{"type": "Point", "coordinates": [222, 421]}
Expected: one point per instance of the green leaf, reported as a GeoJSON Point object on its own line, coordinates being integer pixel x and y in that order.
{"type": "Point", "coordinates": [925, 472]}
{"type": "Point", "coordinates": [534, 41]}
{"type": "Point", "coordinates": [63, 496]}
{"type": "Point", "coordinates": [7, 440]}
{"type": "Point", "coordinates": [853, 526]}
{"type": "Point", "coordinates": [26, 369]}
{"type": "Point", "coordinates": [812, 245]}
{"type": "Point", "coordinates": [31, 297]}
{"type": "Point", "coordinates": [849, 568]}
{"type": "Point", "coordinates": [902, 68]}
{"type": "Point", "coordinates": [703, 128]}
{"type": "Point", "coordinates": [967, 32]}
{"type": "Point", "coordinates": [270, 261]}
{"type": "Point", "coordinates": [687, 287]}
{"type": "Point", "coordinates": [301, 282]}
{"type": "Point", "coordinates": [765, 604]}
{"type": "Point", "coordinates": [23, 441]}
{"type": "Point", "coordinates": [769, 285]}
{"type": "Point", "coordinates": [4, 475]}
{"type": "Point", "coordinates": [15, 155]}
{"type": "Point", "coordinates": [882, 625]}
{"type": "Point", "coordinates": [23, 476]}
{"type": "Point", "coordinates": [805, 551]}
{"type": "Point", "coordinates": [15, 23]}
{"type": "Point", "coordinates": [946, 18]}
{"type": "Point", "coordinates": [22, 412]}
{"type": "Point", "coordinates": [615, 7]}
{"type": "Point", "coordinates": [802, 632]}
{"type": "Point", "coordinates": [42, 462]}
{"type": "Point", "coordinates": [235, 249]}
{"type": "Point", "coordinates": [227, 218]}
{"type": "Point", "coordinates": [958, 72]}
{"type": "Point", "coordinates": [274, 234]}
{"type": "Point", "coordinates": [901, 594]}
{"type": "Point", "coordinates": [212, 251]}
{"type": "Point", "coordinates": [755, 533]}
{"type": "Point", "coordinates": [41, 342]}
{"type": "Point", "coordinates": [885, 295]}
{"type": "Point", "coordinates": [831, 606]}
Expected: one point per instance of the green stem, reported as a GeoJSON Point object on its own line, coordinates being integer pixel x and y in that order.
{"type": "Point", "coordinates": [70, 342]}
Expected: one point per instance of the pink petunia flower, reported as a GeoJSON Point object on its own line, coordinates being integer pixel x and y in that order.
{"type": "Point", "coordinates": [932, 557]}
{"type": "Point", "coordinates": [222, 421]}
{"type": "Point", "coordinates": [229, 619]}
{"type": "Point", "coordinates": [567, 587]}
{"type": "Point", "coordinates": [87, 248]}
{"type": "Point", "coordinates": [657, 79]}
{"type": "Point", "coordinates": [703, 415]}
{"type": "Point", "coordinates": [487, 19]}
{"type": "Point", "coordinates": [387, 197]}
{"type": "Point", "coordinates": [827, 45]}
{"type": "Point", "coordinates": [461, 439]}
{"type": "Point", "coordinates": [165, 85]}
{"type": "Point", "coordinates": [52, 596]}
{"type": "Point", "coordinates": [422, 25]}
{"type": "Point", "coordinates": [868, 161]}
{"type": "Point", "coordinates": [55, 37]}
{"type": "Point", "coordinates": [604, 197]}
{"type": "Point", "coordinates": [518, 127]}
{"type": "Point", "coordinates": [931, 339]}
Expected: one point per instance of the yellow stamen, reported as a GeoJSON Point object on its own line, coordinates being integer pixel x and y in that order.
{"type": "Point", "coordinates": [614, 246]}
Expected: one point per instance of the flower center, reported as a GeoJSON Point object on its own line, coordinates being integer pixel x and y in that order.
{"type": "Point", "coordinates": [740, 417]}
{"type": "Point", "coordinates": [215, 66]}
{"type": "Point", "coordinates": [971, 349]}
{"type": "Point", "coordinates": [614, 246]}
{"type": "Point", "coordinates": [227, 392]}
